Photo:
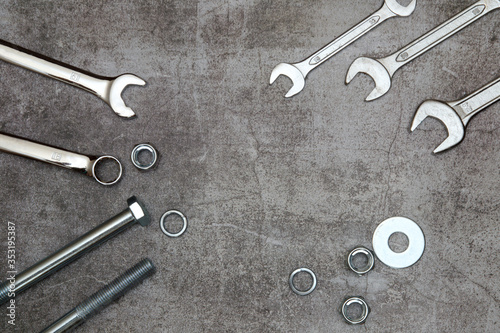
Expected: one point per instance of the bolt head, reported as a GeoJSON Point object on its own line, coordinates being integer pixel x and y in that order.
{"type": "Point", "coordinates": [139, 211]}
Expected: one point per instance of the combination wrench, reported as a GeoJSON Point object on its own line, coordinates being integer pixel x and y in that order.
{"type": "Point", "coordinates": [62, 158]}
{"type": "Point", "coordinates": [456, 115]}
{"type": "Point", "coordinates": [382, 70]}
{"type": "Point", "coordinates": [108, 89]}
{"type": "Point", "coordinates": [297, 72]}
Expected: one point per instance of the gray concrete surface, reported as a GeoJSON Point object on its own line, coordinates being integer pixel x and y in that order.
{"type": "Point", "coordinates": [268, 184]}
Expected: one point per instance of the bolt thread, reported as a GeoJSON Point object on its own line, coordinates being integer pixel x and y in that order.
{"type": "Point", "coordinates": [115, 288]}
{"type": "Point", "coordinates": [4, 292]}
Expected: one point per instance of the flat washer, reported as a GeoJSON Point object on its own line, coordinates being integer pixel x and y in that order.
{"type": "Point", "coordinates": [184, 225]}
{"type": "Point", "coordinates": [134, 156]}
{"type": "Point", "coordinates": [302, 292]}
{"type": "Point", "coordinates": [416, 242]}
{"type": "Point", "coordinates": [364, 307]}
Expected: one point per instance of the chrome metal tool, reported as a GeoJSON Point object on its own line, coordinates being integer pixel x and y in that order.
{"type": "Point", "coordinates": [382, 70]}
{"type": "Point", "coordinates": [297, 72]}
{"type": "Point", "coordinates": [456, 115]}
{"type": "Point", "coordinates": [134, 213]}
{"type": "Point", "coordinates": [62, 158]}
{"type": "Point", "coordinates": [108, 89]}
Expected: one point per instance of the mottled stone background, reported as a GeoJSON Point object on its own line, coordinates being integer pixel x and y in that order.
{"type": "Point", "coordinates": [268, 184]}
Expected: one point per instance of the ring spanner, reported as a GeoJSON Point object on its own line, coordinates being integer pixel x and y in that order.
{"type": "Point", "coordinates": [382, 70]}
{"type": "Point", "coordinates": [108, 89]}
{"type": "Point", "coordinates": [456, 115]}
{"type": "Point", "coordinates": [52, 155]}
{"type": "Point", "coordinates": [297, 72]}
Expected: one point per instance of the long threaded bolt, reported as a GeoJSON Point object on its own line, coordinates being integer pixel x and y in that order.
{"type": "Point", "coordinates": [103, 297]}
{"type": "Point", "coordinates": [135, 213]}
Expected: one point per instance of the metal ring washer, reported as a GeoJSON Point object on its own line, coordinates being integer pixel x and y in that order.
{"type": "Point", "coordinates": [364, 306]}
{"type": "Point", "coordinates": [369, 265]}
{"type": "Point", "coordinates": [302, 292]}
{"type": "Point", "coordinates": [184, 221]}
{"type": "Point", "coordinates": [134, 156]}
{"type": "Point", "coordinates": [416, 242]}
{"type": "Point", "coordinates": [99, 160]}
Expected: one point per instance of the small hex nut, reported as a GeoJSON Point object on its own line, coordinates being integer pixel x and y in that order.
{"type": "Point", "coordinates": [361, 250]}
{"type": "Point", "coordinates": [138, 211]}
{"type": "Point", "coordinates": [364, 308]}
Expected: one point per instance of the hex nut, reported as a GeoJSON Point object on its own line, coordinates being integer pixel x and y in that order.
{"type": "Point", "coordinates": [361, 250]}
{"type": "Point", "coordinates": [364, 306]}
{"type": "Point", "coordinates": [139, 211]}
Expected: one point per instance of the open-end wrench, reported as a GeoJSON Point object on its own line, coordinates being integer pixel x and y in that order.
{"type": "Point", "coordinates": [382, 70]}
{"type": "Point", "coordinates": [297, 72]}
{"type": "Point", "coordinates": [62, 158]}
{"type": "Point", "coordinates": [456, 115]}
{"type": "Point", "coordinates": [108, 89]}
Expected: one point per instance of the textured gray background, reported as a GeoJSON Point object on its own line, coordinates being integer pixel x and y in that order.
{"type": "Point", "coordinates": [268, 184]}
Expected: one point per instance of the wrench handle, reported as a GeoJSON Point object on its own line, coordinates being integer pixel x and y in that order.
{"type": "Point", "coordinates": [439, 34]}
{"type": "Point", "coordinates": [477, 101]}
{"type": "Point", "coordinates": [96, 85]}
{"type": "Point", "coordinates": [56, 156]}
{"type": "Point", "coordinates": [345, 40]}
{"type": "Point", "coordinates": [46, 153]}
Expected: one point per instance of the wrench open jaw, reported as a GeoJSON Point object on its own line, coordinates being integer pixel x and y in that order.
{"type": "Point", "coordinates": [293, 73]}
{"type": "Point", "coordinates": [401, 10]}
{"type": "Point", "coordinates": [297, 72]}
{"type": "Point", "coordinates": [376, 70]}
{"type": "Point", "coordinates": [447, 115]}
{"type": "Point", "coordinates": [382, 70]}
{"type": "Point", "coordinates": [108, 89]}
{"type": "Point", "coordinates": [457, 114]}
{"type": "Point", "coordinates": [114, 95]}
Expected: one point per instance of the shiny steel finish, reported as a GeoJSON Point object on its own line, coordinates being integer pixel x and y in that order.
{"type": "Point", "coordinates": [456, 115]}
{"type": "Point", "coordinates": [134, 156]}
{"type": "Point", "coordinates": [108, 89]}
{"type": "Point", "coordinates": [364, 306]}
{"type": "Point", "coordinates": [416, 242]}
{"type": "Point", "coordinates": [382, 70]}
{"type": "Point", "coordinates": [184, 223]}
{"type": "Point", "coordinates": [297, 72]}
{"type": "Point", "coordinates": [56, 156]}
{"type": "Point", "coordinates": [103, 297]}
{"type": "Point", "coordinates": [95, 237]}
{"type": "Point", "coordinates": [302, 292]}
{"type": "Point", "coordinates": [369, 257]}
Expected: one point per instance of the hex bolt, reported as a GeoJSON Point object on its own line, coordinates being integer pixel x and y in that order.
{"type": "Point", "coordinates": [72, 251]}
{"type": "Point", "coordinates": [102, 298]}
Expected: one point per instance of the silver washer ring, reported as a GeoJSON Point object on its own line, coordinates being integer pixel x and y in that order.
{"type": "Point", "coordinates": [363, 251]}
{"type": "Point", "coordinates": [303, 292]}
{"type": "Point", "coordinates": [99, 160]}
{"type": "Point", "coordinates": [416, 242]}
{"type": "Point", "coordinates": [135, 156]}
{"type": "Point", "coordinates": [184, 221]}
{"type": "Point", "coordinates": [364, 306]}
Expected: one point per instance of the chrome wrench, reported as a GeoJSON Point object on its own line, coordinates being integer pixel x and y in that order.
{"type": "Point", "coordinates": [108, 89]}
{"type": "Point", "coordinates": [297, 72]}
{"type": "Point", "coordinates": [62, 158]}
{"type": "Point", "coordinates": [382, 70]}
{"type": "Point", "coordinates": [456, 115]}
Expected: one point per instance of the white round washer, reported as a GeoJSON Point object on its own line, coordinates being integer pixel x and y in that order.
{"type": "Point", "coordinates": [416, 242]}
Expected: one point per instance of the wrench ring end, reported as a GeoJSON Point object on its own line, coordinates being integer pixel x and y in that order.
{"type": "Point", "coordinates": [99, 160]}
